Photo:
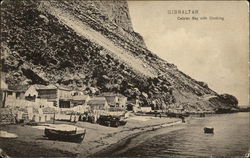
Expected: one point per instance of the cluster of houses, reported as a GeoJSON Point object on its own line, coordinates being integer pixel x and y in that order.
{"type": "Point", "coordinates": [61, 97]}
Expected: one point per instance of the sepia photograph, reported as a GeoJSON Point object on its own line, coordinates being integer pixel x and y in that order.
{"type": "Point", "coordinates": [124, 78]}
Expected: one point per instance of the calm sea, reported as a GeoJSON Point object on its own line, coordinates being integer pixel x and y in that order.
{"type": "Point", "coordinates": [231, 139]}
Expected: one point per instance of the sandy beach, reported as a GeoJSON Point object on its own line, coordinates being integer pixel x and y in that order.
{"type": "Point", "coordinates": [32, 143]}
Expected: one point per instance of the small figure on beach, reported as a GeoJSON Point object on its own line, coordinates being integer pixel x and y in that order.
{"type": "Point", "coordinates": [182, 119]}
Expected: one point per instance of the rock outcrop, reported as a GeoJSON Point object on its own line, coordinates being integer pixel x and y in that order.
{"type": "Point", "coordinates": [92, 44]}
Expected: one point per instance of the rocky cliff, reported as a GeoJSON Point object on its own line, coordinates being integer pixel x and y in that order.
{"type": "Point", "coordinates": [92, 45]}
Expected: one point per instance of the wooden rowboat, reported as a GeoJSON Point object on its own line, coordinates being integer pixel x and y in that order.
{"type": "Point", "coordinates": [69, 136]}
{"type": "Point", "coordinates": [208, 130]}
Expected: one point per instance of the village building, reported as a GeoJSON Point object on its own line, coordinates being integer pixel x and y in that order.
{"type": "Point", "coordinates": [64, 102]}
{"type": "Point", "coordinates": [3, 93]}
{"type": "Point", "coordinates": [10, 94]}
{"type": "Point", "coordinates": [51, 93]}
{"type": "Point", "coordinates": [71, 101]}
{"type": "Point", "coordinates": [57, 95]}
{"type": "Point", "coordinates": [31, 93]}
{"type": "Point", "coordinates": [80, 100]}
{"type": "Point", "coordinates": [122, 101]}
{"type": "Point", "coordinates": [115, 100]}
{"type": "Point", "coordinates": [18, 92]}
{"type": "Point", "coordinates": [112, 99]}
{"type": "Point", "coordinates": [133, 105]}
{"type": "Point", "coordinates": [43, 92]}
{"type": "Point", "coordinates": [63, 92]}
{"type": "Point", "coordinates": [98, 103]}
{"type": "Point", "coordinates": [145, 109]}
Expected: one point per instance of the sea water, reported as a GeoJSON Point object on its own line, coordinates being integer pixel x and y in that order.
{"type": "Point", "coordinates": [230, 139]}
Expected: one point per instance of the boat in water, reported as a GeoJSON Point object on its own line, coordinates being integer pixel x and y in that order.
{"type": "Point", "coordinates": [65, 135]}
{"type": "Point", "coordinates": [208, 130]}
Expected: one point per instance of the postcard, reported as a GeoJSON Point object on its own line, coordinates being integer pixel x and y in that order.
{"type": "Point", "coordinates": [118, 78]}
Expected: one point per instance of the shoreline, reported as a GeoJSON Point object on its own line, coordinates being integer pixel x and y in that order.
{"type": "Point", "coordinates": [128, 138]}
{"type": "Point", "coordinates": [32, 143]}
{"type": "Point", "coordinates": [109, 141]}
{"type": "Point", "coordinates": [105, 151]}
{"type": "Point", "coordinates": [99, 140]}
{"type": "Point", "coordinates": [140, 145]}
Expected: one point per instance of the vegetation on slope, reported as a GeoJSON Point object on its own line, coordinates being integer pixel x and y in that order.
{"type": "Point", "coordinates": [38, 48]}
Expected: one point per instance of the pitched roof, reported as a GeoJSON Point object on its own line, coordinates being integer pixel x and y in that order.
{"type": "Point", "coordinates": [50, 86]}
{"type": "Point", "coordinates": [31, 91]}
{"type": "Point", "coordinates": [80, 97]}
{"type": "Point", "coordinates": [112, 100]}
{"type": "Point", "coordinates": [97, 101]}
{"type": "Point", "coordinates": [110, 94]}
{"type": "Point", "coordinates": [20, 88]}
{"type": "Point", "coordinates": [39, 86]}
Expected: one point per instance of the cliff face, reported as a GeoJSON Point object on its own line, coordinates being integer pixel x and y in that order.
{"type": "Point", "coordinates": [91, 44]}
{"type": "Point", "coordinates": [115, 11]}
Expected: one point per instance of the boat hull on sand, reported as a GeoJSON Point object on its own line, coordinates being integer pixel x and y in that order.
{"type": "Point", "coordinates": [69, 136]}
{"type": "Point", "coordinates": [208, 130]}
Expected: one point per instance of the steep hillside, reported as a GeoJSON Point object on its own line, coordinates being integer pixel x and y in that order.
{"type": "Point", "coordinates": [91, 44]}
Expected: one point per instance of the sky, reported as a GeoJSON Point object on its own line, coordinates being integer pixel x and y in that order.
{"type": "Point", "coordinates": [214, 51]}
